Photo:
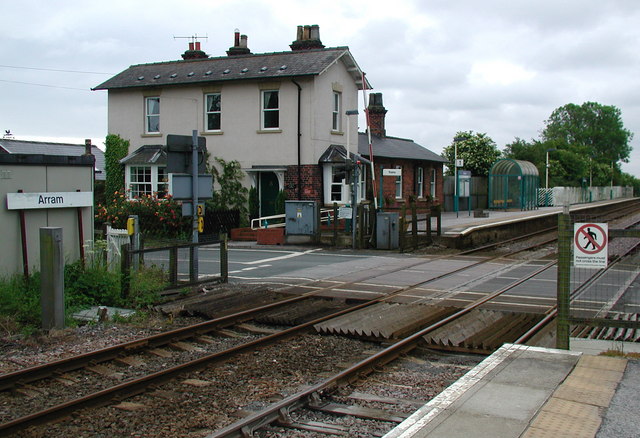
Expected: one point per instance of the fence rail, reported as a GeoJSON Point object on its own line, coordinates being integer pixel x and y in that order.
{"type": "Point", "coordinates": [171, 262]}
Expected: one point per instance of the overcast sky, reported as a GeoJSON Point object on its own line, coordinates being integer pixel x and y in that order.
{"type": "Point", "coordinates": [494, 66]}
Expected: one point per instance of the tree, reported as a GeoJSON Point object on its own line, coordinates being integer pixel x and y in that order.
{"type": "Point", "coordinates": [116, 149]}
{"type": "Point", "coordinates": [478, 151]}
{"type": "Point", "coordinates": [590, 138]}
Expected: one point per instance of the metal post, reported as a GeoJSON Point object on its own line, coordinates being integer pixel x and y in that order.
{"type": "Point", "coordinates": [354, 205]}
{"type": "Point", "coordinates": [455, 176]}
{"type": "Point", "coordinates": [51, 278]}
{"type": "Point", "coordinates": [565, 238]}
{"type": "Point", "coordinates": [193, 271]}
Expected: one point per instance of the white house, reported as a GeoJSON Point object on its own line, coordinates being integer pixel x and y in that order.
{"type": "Point", "coordinates": [275, 113]}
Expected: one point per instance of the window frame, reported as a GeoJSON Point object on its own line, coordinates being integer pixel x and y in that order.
{"type": "Point", "coordinates": [264, 111]}
{"type": "Point", "coordinates": [155, 180]}
{"type": "Point", "coordinates": [336, 112]}
{"type": "Point", "coordinates": [217, 112]}
{"type": "Point", "coordinates": [148, 116]}
{"type": "Point", "coordinates": [434, 177]}
{"type": "Point", "coordinates": [398, 187]}
{"type": "Point", "coordinates": [420, 182]}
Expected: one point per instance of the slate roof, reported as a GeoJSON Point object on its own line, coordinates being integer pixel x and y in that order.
{"type": "Point", "coordinates": [393, 147]}
{"type": "Point", "coordinates": [234, 68]}
{"type": "Point", "coordinates": [147, 154]}
{"type": "Point", "coordinates": [11, 146]}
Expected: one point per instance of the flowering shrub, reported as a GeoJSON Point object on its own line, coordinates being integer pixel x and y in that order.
{"type": "Point", "coordinates": [158, 217]}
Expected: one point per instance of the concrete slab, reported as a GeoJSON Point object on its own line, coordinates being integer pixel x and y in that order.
{"type": "Point", "coordinates": [94, 313]}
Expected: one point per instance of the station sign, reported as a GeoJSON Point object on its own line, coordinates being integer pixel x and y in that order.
{"type": "Point", "coordinates": [590, 245]}
{"type": "Point", "coordinates": [23, 201]}
{"type": "Point", "coordinates": [391, 172]}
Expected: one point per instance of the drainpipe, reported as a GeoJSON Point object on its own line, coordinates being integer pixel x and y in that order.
{"type": "Point", "coordinates": [299, 143]}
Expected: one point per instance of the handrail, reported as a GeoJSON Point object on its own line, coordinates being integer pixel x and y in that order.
{"type": "Point", "coordinates": [259, 222]}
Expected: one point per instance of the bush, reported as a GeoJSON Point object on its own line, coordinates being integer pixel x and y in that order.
{"type": "Point", "coordinates": [158, 217]}
{"type": "Point", "coordinates": [20, 300]}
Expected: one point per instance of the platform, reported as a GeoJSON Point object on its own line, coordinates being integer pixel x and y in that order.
{"type": "Point", "coordinates": [527, 392]}
{"type": "Point", "coordinates": [462, 229]}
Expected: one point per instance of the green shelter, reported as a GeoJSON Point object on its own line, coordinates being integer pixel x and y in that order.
{"type": "Point", "coordinates": [513, 184]}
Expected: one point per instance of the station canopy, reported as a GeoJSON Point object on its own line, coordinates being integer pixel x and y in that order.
{"type": "Point", "coordinates": [513, 184]}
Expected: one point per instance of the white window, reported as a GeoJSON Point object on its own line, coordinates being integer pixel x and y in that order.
{"type": "Point", "coordinates": [338, 182]}
{"type": "Point", "coordinates": [270, 109]}
{"type": "Point", "coordinates": [212, 110]}
{"type": "Point", "coordinates": [147, 180]}
{"type": "Point", "coordinates": [419, 182]}
{"type": "Point", "coordinates": [336, 117]}
{"type": "Point", "coordinates": [152, 115]}
{"type": "Point", "coordinates": [399, 184]}
{"type": "Point", "coordinates": [433, 183]}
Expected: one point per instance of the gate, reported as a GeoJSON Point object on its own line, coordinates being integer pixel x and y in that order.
{"type": "Point", "coordinates": [598, 303]}
{"type": "Point", "coordinates": [115, 239]}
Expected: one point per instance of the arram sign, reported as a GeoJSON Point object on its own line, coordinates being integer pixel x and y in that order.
{"type": "Point", "coordinates": [25, 201]}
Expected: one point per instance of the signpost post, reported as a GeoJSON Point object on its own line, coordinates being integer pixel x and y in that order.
{"type": "Point", "coordinates": [178, 148]}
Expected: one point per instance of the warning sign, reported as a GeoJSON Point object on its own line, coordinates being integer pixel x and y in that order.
{"type": "Point", "coordinates": [590, 245]}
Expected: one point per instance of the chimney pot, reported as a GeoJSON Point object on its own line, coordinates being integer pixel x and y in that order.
{"type": "Point", "coordinates": [197, 45]}
{"type": "Point", "coordinates": [243, 41]}
{"type": "Point", "coordinates": [191, 46]}
{"type": "Point", "coordinates": [236, 39]}
{"type": "Point", "coordinates": [87, 147]}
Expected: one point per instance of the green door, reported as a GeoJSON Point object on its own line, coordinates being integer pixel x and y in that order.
{"type": "Point", "coordinates": [268, 192]}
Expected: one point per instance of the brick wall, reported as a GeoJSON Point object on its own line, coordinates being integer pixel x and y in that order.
{"type": "Point", "coordinates": [311, 178]}
{"type": "Point", "coordinates": [408, 178]}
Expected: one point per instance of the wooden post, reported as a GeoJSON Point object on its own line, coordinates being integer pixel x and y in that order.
{"type": "Point", "coordinates": [224, 258]}
{"type": "Point", "coordinates": [125, 270]}
{"type": "Point", "coordinates": [335, 223]}
{"type": "Point", "coordinates": [51, 278]}
{"type": "Point", "coordinates": [80, 235]}
{"type": "Point", "coordinates": [173, 266]}
{"type": "Point", "coordinates": [414, 224]}
{"type": "Point", "coordinates": [565, 238]}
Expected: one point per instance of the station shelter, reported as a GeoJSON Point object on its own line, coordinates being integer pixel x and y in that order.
{"type": "Point", "coordinates": [513, 185]}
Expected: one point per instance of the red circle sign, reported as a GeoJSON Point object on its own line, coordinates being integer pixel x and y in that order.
{"type": "Point", "coordinates": [587, 231]}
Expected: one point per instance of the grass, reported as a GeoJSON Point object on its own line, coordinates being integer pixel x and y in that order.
{"type": "Point", "coordinates": [20, 308]}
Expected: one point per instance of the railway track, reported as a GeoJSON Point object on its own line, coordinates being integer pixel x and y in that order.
{"type": "Point", "coordinates": [200, 334]}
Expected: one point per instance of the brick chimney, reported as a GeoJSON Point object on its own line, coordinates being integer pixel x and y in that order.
{"type": "Point", "coordinates": [308, 38]}
{"type": "Point", "coordinates": [87, 147]}
{"type": "Point", "coordinates": [377, 112]}
{"type": "Point", "coordinates": [239, 45]}
{"type": "Point", "coordinates": [194, 52]}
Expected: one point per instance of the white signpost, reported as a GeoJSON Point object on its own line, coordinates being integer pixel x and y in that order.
{"type": "Point", "coordinates": [23, 201]}
{"type": "Point", "coordinates": [590, 248]}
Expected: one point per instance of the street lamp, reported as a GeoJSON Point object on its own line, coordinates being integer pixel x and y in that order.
{"type": "Point", "coordinates": [546, 186]}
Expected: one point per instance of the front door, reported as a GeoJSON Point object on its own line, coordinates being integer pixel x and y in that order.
{"type": "Point", "coordinates": [269, 189]}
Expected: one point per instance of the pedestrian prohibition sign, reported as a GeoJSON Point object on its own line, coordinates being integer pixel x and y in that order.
{"type": "Point", "coordinates": [590, 245]}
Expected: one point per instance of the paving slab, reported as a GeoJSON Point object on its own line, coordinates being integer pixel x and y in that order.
{"type": "Point", "coordinates": [498, 398]}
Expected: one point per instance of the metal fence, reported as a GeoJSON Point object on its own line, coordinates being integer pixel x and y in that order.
{"type": "Point", "coordinates": [606, 299]}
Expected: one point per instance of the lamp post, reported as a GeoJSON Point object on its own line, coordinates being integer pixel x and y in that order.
{"type": "Point", "coordinates": [455, 173]}
{"type": "Point", "coordinates": [546, 185]}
